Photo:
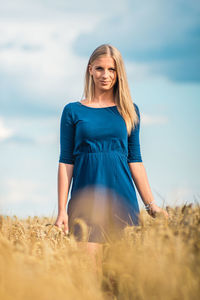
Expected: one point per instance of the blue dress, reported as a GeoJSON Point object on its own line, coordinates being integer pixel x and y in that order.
{"type": "Point", "coordinates": [96, 142]}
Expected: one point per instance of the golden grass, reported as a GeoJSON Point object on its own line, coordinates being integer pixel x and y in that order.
{"type": "Point", "coordinates": [160, 259]}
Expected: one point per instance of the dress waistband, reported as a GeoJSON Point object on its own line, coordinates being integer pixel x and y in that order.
{"type": "Point", "coordinates": [102, 152]}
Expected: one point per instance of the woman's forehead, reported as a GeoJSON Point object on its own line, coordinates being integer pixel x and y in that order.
{"type": "Point", "coordinates": [105, 60]}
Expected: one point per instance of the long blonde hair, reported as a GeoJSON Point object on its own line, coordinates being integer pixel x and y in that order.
{"type": "Point", "coordinates": [121, 90]}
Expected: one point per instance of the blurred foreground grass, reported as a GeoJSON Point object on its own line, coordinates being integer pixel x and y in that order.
{"type": "Point", "coordinates": [160, 259]}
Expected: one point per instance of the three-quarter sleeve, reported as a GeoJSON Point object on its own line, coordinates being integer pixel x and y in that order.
{"type": "Point", "coordinates": [67, 130]}
{"type": "Point", "coordinates": [134, 152]}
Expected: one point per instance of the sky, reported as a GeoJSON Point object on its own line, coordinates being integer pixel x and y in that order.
{"type": "Point", "coordinates": [44, 49]}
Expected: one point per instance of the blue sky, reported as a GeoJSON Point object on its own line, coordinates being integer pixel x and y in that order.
{"type": "Point", "coordinates": [44, 49]}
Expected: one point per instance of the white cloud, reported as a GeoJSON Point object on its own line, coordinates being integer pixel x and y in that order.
{"type": "Point", "coordinates": [180, 195]}
{"type": "Point", "coordinates": [5, 132]}
{"type": "Point", "coordinates": [38, 56]}
{"type": "Point", "coordinates": [51, 9]}
{"type": "Point", "coordinates": [151, 119]}
{"type": "Point", "coordinates": [44, 131]}
{"type": "Point", "coordinates": [18, 191]}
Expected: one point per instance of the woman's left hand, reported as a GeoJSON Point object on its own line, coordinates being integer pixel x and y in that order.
{"type": "Point", "coordinates": [154, 209]}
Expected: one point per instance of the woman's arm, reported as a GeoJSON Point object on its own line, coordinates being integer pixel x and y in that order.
{"type": "Point", "coordinates": [66, 163]}
{"type": "Point", "coordinates": [65, 172]}
{"type": "Point", "coordinates": [139, 176]}
{"type": "Point", "coordinates": [140, 179]}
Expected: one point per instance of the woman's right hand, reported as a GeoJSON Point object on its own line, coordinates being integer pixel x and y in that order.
{"type": "Point", "coordinates": [154, 209]}
{"type": "Point", "coordinates": [62, 218]}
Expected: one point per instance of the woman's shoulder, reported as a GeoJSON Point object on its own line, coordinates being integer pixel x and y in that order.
{"type": "Point", "coordinates": [136, 106]}
{"type": "Point", "coordinates": [137, 109]}
{"type": "Point", "coordinates": [70, 105]}
{"type": "Point", "coordinates": [70, 109]}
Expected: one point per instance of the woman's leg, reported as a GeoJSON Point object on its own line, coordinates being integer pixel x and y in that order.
{"type": "Point", "coordinates": [95, 250]}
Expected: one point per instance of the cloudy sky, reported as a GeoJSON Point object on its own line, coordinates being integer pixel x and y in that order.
{"type": "Point", "coordinates": [44, 49]}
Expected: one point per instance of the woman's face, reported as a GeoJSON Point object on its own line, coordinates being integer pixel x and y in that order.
{"type": "Point", "coordinates": [104, 72]}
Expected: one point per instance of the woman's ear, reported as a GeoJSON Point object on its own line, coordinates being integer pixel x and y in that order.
{"type": "Point", "coordinates": [90, 69]}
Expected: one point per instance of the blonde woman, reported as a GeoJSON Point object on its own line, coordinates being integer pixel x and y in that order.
{"type": "Point", "coordinates": [100, 150]}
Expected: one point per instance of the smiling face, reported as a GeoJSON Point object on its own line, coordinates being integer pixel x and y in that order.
{"type": "Point", "coordinates": [103, 70]}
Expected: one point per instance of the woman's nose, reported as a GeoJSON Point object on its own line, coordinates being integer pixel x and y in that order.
{"type": "Point", "coordinates": [105, 73]}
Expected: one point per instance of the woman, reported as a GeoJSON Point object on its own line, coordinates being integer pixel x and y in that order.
{"type": "Point", "coordinates": [100, 150]}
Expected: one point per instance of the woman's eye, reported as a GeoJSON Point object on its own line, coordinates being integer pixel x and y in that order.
{"type": "Point", "coordinates": [100, 68]}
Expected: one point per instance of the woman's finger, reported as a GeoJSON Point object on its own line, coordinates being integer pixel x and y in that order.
{"type": "Point", "coordinates": [66, 230]}
{"type": "Point", "coordinates": [58, 224]}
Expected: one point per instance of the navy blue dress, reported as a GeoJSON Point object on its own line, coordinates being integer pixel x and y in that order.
{"type": "Point", "coordinates": [96, 142]}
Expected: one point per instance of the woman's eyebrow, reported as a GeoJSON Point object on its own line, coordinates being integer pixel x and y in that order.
{"type": "Point", "coordinates": [102, 67]}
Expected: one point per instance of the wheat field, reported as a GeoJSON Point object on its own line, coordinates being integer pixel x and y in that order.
{"type": "Point", "coordinates": [159, 259]}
